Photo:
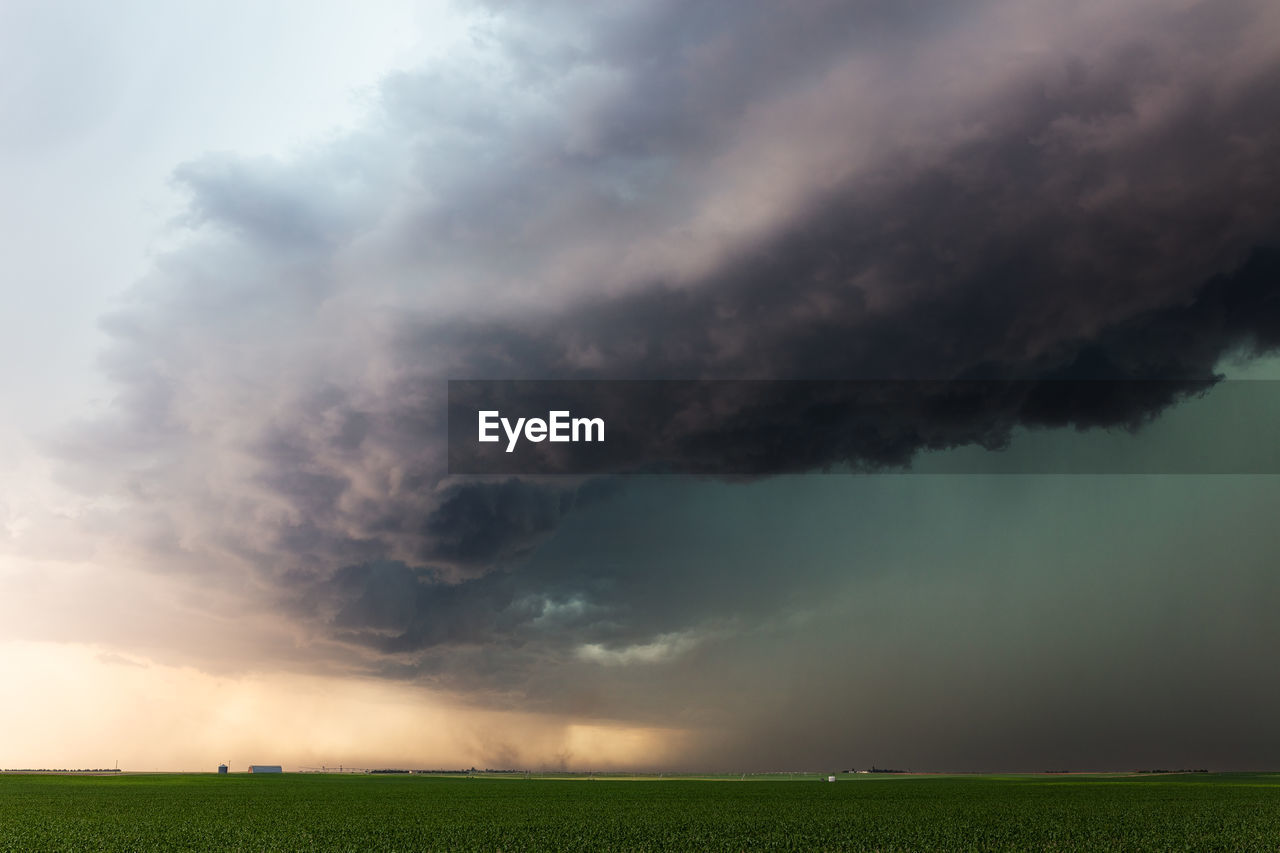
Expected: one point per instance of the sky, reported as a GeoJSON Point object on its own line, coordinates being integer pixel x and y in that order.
{"type": "Point", "coordinates": [245, 249]}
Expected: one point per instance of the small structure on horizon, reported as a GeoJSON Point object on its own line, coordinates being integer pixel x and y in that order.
{"type": "Point", "coordinates": [222, 770]}
{"type": "Point", "coordinates": [265, 768]}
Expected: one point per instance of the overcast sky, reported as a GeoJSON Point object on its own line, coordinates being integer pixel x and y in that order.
{"type": "Point", "coordinates": [245, 247]}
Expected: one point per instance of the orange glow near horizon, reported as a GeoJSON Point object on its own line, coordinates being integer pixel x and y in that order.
{"type": "Point", "coordinates": [73, 706]}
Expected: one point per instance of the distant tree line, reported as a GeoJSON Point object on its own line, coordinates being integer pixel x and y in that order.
{"type": "Point", "coordinates": [60, 770]}
{"type": "Point", "coordinates": [438, 772]}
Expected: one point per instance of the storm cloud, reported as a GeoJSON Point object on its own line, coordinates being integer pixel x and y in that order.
{"type": "Point", "coordinates": [934, 193]}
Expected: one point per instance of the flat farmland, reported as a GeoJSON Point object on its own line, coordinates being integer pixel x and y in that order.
{"type": "Point", "coordinates": [1236, 812]}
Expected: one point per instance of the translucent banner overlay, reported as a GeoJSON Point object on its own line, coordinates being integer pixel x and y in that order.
{"type": "Point", "coordinates": [758, 428]}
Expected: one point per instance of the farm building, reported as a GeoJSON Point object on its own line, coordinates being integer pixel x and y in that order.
{"type": "Point", "coordinates": [265, 768]}
{"type": "Point", "coordinates": [222, 770]}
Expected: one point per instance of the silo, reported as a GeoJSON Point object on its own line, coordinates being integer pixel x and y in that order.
{"type": "Point", "coordinates": [222, 770]}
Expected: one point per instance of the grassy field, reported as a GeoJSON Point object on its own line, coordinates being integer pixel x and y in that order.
{"type": "Point", "coordinates": [1235, 812]}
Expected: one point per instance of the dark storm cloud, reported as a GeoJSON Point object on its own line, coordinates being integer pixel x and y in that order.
{"type": "Point", "coordinates": [833, 191]}
{"type": "Point", "coordinates": [1123, 376]}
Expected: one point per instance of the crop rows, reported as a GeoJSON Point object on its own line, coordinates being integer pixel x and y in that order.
{"type": "Point", "coordinates": [317, 812]}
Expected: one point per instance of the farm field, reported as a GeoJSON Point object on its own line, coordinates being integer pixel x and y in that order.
{"type": "Point", "coordinates": [293, 812]}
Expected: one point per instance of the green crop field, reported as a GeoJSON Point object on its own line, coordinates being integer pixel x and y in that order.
{"type": "Point", "coordinates": [1234, 812]}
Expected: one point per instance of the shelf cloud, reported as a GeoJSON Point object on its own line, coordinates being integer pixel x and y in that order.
{"type": "Point", "coordinates": [923, 192]}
